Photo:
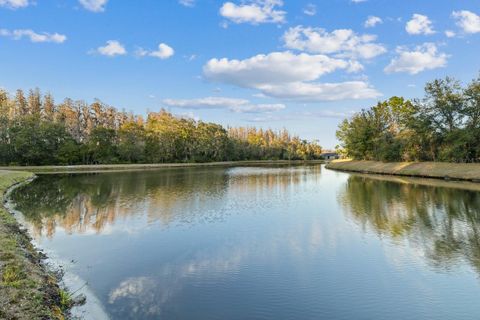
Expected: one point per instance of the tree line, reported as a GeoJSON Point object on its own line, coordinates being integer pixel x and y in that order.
{"type": "Point", "coordinates": [444, 125]}
{"type": "Point", "coordinates": [34, 130]}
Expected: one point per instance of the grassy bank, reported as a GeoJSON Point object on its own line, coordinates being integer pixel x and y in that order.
{"type": "Point", "coordinates": [27, 289]}
{"type": "Point", "coordinates": [120, 167]}
{"type": "Point", "coordinates": [439, 170]}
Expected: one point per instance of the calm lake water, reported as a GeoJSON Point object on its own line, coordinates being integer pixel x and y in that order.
{"type": "Point", "coordinates": [291, 242]}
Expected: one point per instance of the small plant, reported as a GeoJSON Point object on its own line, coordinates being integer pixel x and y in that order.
{"type": "Point", "coordinates": [12, 274]}
{"type": "Point", "coordinates": [66, 300]}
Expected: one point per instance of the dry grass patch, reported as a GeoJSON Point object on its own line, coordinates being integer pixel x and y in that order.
{"type": "Point", "coordinates": [457, 171]}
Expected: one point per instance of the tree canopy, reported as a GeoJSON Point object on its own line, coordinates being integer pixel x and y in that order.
{"type": "Point", "coordinates": [442, 126]}
{"type": "Point", "coordinates": [36, 131]}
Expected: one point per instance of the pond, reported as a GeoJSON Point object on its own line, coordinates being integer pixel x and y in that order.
{"type": "Point", "coordinates": [264, 242]}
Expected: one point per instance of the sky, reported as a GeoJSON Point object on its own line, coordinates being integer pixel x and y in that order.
{"type": "Point", "coordinates": [303, 65]}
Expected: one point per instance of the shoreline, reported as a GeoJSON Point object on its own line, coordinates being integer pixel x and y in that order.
{"type": "Point", "coordinates": [434, 170]}
{"type": "Point", "coordinates": [67, 280]}
{"type": "Point", "coordinates": [28, 288]}
{"type": "Point", "coordinates": [151, 166]}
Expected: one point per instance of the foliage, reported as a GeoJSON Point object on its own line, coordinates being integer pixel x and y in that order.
{"type": "Point", "coordinates": [36, 131]}
{"type": "Point", "coordinates": [443, 126]}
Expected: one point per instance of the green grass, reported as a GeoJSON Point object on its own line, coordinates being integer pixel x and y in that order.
{"type": "Point", "coordinates": [27, 289]}
{"type": "Point", "coordinates": [442, 170]}
{"type": "Point", "coordinates": [66, 300]}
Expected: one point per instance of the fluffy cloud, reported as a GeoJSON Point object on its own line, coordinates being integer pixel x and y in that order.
{"type": "Point", "coordinates": [254, 12]}
{"type": "Point", "coordinates": [94, 5]}
{"type": "Point", "coordinates": [342, 42]}
{"type": "Point", "coordinates": [467, 20]}
{"type": "Point", "coordinates": [291, 76]}
{"type": "Point", "coordinates": [164, 51]}
{"type": "Point", "coordinates": [419, 24]}
{"type": "Point", "coordinates": [276, 67]}
{"type": "Point", "coordinates": [111, 49]}
{"type": "Point", "coordinates": [187, 3]}
{"type": "Point", "coordinates": [372, 21]}
{"type": "Point", "coordinates": [424, 57]}
{"type": "Point", "coordinates": [310, 9]}
{"type": "Point", "coordinates": [235, 105]}
{"type": "Point", "coordinates": [315, 91]}
{"type": "Point", "coordinates": [14, 4]}
{"type": "Point", "coordinates": [33, 36]}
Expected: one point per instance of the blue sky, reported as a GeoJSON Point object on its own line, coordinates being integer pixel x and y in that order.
{"type": "Point", "coordinates": [302, 65]}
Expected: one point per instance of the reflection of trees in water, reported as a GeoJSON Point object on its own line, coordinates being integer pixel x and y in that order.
{"type": "Point", "coordinates": [83, 202]}
{"type": "Point", "coordinates": [79, 203]}
{"type": "Point", "coordinates": [266, 179]}
{"type": "Point", "coordinates": [443, 222]}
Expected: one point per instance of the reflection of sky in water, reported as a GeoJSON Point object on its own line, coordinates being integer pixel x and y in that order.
{"type": "Point", "coordinates": [274, 243]}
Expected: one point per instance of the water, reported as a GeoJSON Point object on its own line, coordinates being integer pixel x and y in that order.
{"type": "Point", "coordinates": [299, 242]}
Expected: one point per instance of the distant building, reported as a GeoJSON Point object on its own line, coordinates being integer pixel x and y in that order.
{"type": "Point", "coordinates": [330, 156]}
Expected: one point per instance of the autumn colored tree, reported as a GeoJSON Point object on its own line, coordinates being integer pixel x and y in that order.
{"type": "Point", "coordinates": [36, 131]}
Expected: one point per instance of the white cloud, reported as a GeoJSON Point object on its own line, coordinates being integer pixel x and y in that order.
{"type": "Point", "coordinates": [112, 48]}
{"type": "Point", "coordinates": [467, 20]}
{"type": "Point", "coordinates": [310, 9]}
{"type": "Point", "coordinates": [94, 5]}
{"type": "Point", "coordinates": [164, 51]}
{"type": "Point", "coordinates": [450, 33]}
{"type": "Point", "coordinates": [276, 67]}
{"type": "Point", "coordinates": [304, 115]}
{"type": "Point", "coordinates": [14, 4]}
{"type": "Point", "coordinates": [358, 1]}
{"type": "Point", "coordinates": [343, 42]}
{"type": "Point", "coordinates": [205, 103]}
{"type": "Point", "coordinates": [289, 75]}
{"type": "Point", "coordinates": [424, 57]}
{"type": "Point", "coordinates": [419, 24]}
{"type": "Point", "coordinates": [232, 104]}
{"type": "Point", "coordinates": [187, 3]}
{"type": "Point", "coordinates": [260, 108]}
{"type": "Point", "coordinates": [315, 91]}
{"type": "Point", "coordinates": [33, 36]}
{"type": "Point", "coordinates": [372, 21]}
{"type": "Point", "coordinates": [254, 12]}
{"type": "Point", "coordinates": [130, 287]}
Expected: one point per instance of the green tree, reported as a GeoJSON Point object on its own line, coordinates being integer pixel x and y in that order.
{"type": "Point", "coordinates": [131, 142]}
{"type": "Point", "coordinates": [102, 146]}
